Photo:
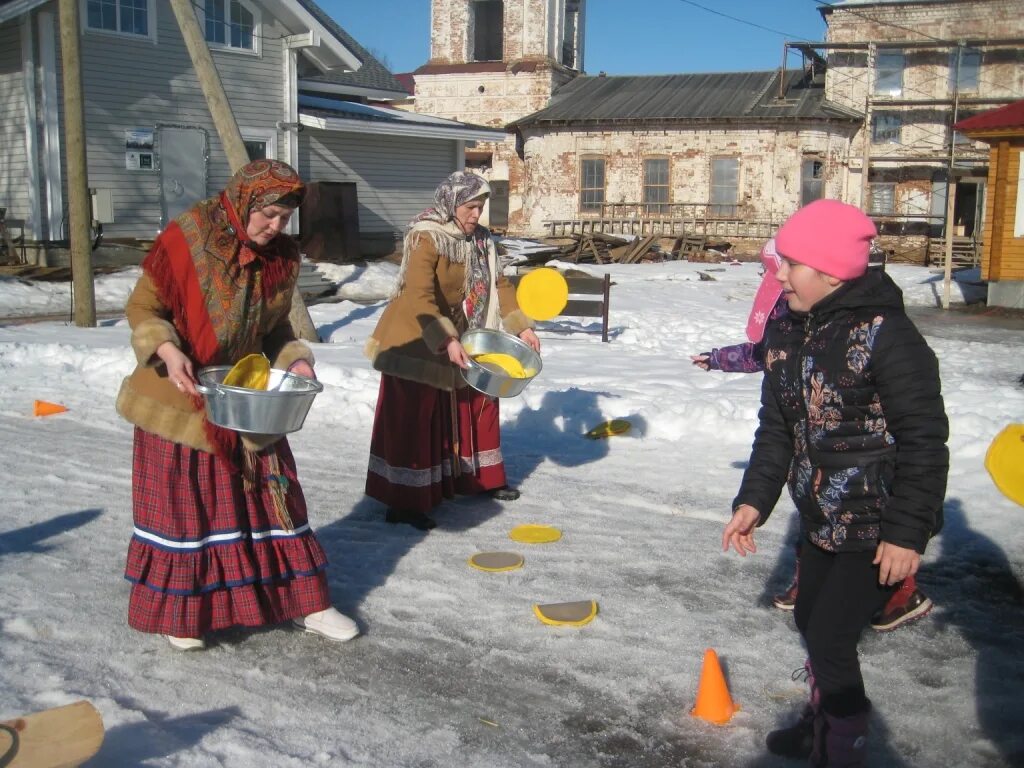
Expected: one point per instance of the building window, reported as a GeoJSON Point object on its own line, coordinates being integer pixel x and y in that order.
{"type": "Point", "coordinates": [571, 36]}
{"type": "Point", "coordinates": [812, 180]}
{"type": "Point", "coordinates": [725, 187]}
{"type": "Point", "coordinates": [124, 17]}
{"type": "Point", "coordinates": [889, 73]}
{"type": "Point", "coordinates": [968, 75]}
{"type": "Point", "coordinates": [488, 30]}
{"type": "Point", "coordinates": [231, 24]}
{"type": "Point", "coordinates": [259, 144]}
{"type": "Point", "coordinates": [256, 150]}
{"type": "Point", "coordinates": [882, 200]}
{"type": "Point", "coordinates": [656, 192]}
{"type": "Point", "coordinates": [591, 184]}
{"type": "Point", "coordinates": [960, 139]}
{"type": "Point", "coordinates": [886, 127]}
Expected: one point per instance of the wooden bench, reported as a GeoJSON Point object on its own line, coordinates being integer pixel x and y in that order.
{"type": "Point", "coordinates": [595, 289]}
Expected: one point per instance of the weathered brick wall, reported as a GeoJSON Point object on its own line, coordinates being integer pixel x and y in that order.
{"type": "Point", "coordinates": [769, 183]}
{"type": "Point", "coordinates": [486, 98]}
{"type": "Point", "coordinates": [531, 30]}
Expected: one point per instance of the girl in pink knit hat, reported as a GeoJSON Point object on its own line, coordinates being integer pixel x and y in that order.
{"type": "Point", "coordinates": [852, 420]}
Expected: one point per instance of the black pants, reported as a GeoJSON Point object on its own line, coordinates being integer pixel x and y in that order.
{"type": "Point", "coordinates": [838, 595]}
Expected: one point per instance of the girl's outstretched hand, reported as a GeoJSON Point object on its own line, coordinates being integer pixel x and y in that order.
{"type": "Point", "coordinates": [739, 532]}
{"type": "Point", "coordinates": [895, 563]}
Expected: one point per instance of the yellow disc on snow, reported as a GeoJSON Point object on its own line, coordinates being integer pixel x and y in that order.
{"type": "Point", "coordinates": [251, 372]}
{"type": "Point", "coordinates": [542, 293]}
{"type": "Point", "coordinates": [531, 533]}
{"type": "Point", "coordinates": [506, 363]}
{"type": "Point", "coordinates": [574, 614]}
{"type": "Point", "coordinates": [496, 561]}
{"type": "Point", "coordinates": [609, 428]}
{"type": "Point", "coordinates": [1005, 462]}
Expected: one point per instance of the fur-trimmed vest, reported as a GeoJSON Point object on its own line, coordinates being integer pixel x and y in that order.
{"type": "Point", "coordinates": [151, 402]}
{"type": "Point", "coordinates": [426, 311]}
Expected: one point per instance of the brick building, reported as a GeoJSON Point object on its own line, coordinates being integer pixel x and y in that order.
{"type": "Point", "coordinates": [865, 115]}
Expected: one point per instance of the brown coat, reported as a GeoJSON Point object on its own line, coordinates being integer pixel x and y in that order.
{"type": "Point", "coordinates": [410, 338]}
{"type": "Point", "coordinates": [148, 399]}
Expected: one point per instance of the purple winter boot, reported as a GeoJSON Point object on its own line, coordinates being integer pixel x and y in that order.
{"type": "Point", "coordinates": [840, 742]}
{"type": "Point", "coordinates": [797, 741]}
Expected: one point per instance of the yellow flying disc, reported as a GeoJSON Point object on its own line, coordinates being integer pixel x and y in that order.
{"type": "Point", "coordinates": [542, 293]}
{"type": "Point", "coordinates": [496, 561]}
{"type": "Point", "coordinates": [531, 533]}
{"type": "Point", "coordinates": [609, 428]}
{"type": "Point", "coordinates": [251, 372]}
{"type": "Point", "coordinates": [574, 614]}
{"type": "Point", "coordinates": [1005, 462]}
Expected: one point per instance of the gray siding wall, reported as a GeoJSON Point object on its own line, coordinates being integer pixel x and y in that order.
{"type": "Point", "coordinates": [13, 160]}
{"type": "Point", "coordinates": [395, 175]}
{"type": "Point", "coordinates": [133, 83]}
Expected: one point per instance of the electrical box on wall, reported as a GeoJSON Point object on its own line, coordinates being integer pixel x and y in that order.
{"type": "Point", "coordinates": [102, 206]}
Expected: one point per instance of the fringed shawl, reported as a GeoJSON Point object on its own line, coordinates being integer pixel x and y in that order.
{"type": "Point", "coordinates": [215, 282]}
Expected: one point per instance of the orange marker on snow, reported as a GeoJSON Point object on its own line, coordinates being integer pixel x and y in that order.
{"type": "Point", "coordinates": [43, 408]}
{"type": "Point", "coordinates": [714, 703]}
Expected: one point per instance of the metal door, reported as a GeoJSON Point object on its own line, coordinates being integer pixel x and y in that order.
{"type": "Point", "coordinates": [183, 171]}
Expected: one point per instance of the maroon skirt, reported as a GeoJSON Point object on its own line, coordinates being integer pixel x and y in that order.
{"type": "Point", "coordinates": [208, 554]}
{"type": "Point", "coordinates": [428, 445]}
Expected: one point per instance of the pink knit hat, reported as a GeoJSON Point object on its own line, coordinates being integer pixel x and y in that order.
{"type": "Point", "coordinates": [767, 293]}
{"type": "Point", "coordinates": [830, 236]}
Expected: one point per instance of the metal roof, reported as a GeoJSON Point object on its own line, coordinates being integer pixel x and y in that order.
{"type": "Point", "coordinates": [1009, 117]}
{"type": "Point", "coordinates": [702, 97]}
{"type": "Point", "coordinates": [371, 75]}
{"type": "Point", "coordinates": [340, 115]}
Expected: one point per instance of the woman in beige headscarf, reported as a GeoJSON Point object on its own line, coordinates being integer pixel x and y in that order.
{"type": "Point", "coordinates": [433, 436]}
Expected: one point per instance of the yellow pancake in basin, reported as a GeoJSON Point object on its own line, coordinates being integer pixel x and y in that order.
{"type": "Point", "coordinates": [251, 372]}
{"type": "Point", "coordinates": [1005, 462]}
{"type": "Point", "coordinates": [496, 561]}
{"type": "Point", "coordinates": [609, 428]}
{"type": "Point", "coordinates": [531, 533]}
{"type": "Point", "coordinates": [543, 293]}
{"type": "Point", "coordinates": [508, 364]}
{"type": "Point", "coordinates": [574, 614]}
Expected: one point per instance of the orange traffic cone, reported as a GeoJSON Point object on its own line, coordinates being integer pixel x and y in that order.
{"type": "Point", "coordinates": [714, 703]}
{"type": "Point", "coordinates": [43, 408]}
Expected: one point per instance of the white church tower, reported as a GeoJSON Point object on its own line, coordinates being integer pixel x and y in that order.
{"type": "Point", "coordinates": [492, 62]}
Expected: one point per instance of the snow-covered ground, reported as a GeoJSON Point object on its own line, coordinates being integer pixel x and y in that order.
{"type": "Point", "coordinates": [452, 668]}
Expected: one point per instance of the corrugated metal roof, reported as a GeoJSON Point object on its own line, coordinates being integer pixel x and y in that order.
{"type": "Point", "coordinates": [372, 74]}
{"type": "Point", "coordinates": [696, 97]}
{"type": "Point", "coordinates": [1010, 116]}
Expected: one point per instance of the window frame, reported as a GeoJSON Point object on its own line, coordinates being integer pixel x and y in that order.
{"type": "Point", "coordinates": [257, 24]}
{"type": "Point", "coordinates": [660, 207]}
{"type": "Point", "coordinates": [592, 207]}
{"type": "Point", "coordinates": [265, 135]}
{"type": "Point", "coordinates": [886, 133]}
{"type": "Point", "coordinates": [472, 40]}
{"type": "Point", "coordinates": [151, 24]}
{"type": "Point", "coordinates": [806, 160]}
{"type": "Point", "coordinates": [890, 186]}
{"type": "Point", "coordinates": [714, 207]}
{"type": "Point", "coordinates": [956, 78]}
{"type": "Point", "coordinates": [881, 72]}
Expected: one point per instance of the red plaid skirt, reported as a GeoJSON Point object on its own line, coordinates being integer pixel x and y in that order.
{"type": "Point", "coordinates": [207, 554]}
{"type": "Point", "coordinates": [413, 445]}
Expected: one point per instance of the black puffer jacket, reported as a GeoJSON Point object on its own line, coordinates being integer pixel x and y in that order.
{"type": "Point", "coordinates": [852, 417]}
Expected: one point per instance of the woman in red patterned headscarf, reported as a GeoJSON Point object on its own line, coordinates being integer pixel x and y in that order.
{"type": "Point", "coordinates": [221, 536]}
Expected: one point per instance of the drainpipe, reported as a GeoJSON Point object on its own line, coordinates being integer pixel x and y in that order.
{"type": "Point", "coordinates": [947, 278]}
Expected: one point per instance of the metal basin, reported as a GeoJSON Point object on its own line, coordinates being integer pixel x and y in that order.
{"type": "Point", "coordinates": [490, 379]}
{"type": "Point", "coordinates": [278, 410]}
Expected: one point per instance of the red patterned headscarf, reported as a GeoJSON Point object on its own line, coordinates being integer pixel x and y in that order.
{"type": "Point", "coordinates": [214, 280]}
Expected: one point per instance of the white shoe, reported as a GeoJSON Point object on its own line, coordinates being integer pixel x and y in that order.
{"type": "Point", "coordinates": [329, 623]}
{"type": "Point", "coordinates": [186, 643]}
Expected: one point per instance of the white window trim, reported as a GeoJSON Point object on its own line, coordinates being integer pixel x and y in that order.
{"type": "Point", "coordinates": [150, 19]}
{"type": "Point", "coordinates": [257, 29]}
{"type": "Point", "coordinates": [262, 134]}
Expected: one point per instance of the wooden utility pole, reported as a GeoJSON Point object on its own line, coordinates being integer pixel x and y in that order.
{"type": "Point", "coordinates": [79, 205]}
{"type": "Point", "coordinates": [227, 129]}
